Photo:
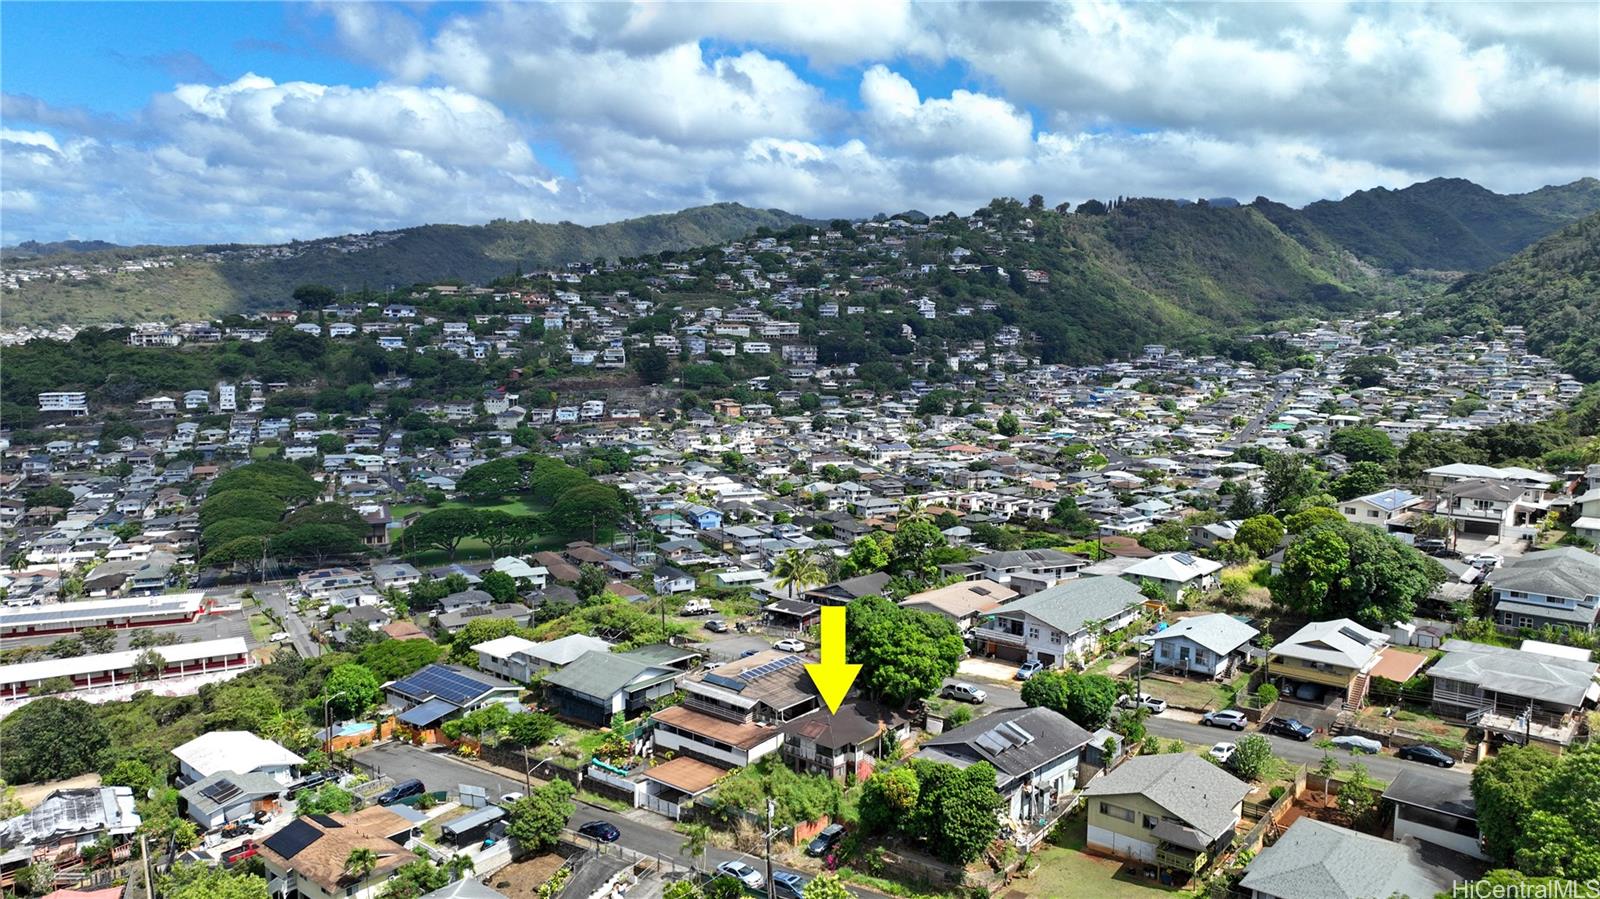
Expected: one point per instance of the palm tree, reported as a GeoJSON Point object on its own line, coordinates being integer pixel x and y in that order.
{"type": "Point", "coordinates": [796, 569]}
{"type": "Point", "coordinates": [360, 862]}
{"type": "Point", "coordinates": [912, 509]}
{"type": "Point", "coordinates": [696, 838]}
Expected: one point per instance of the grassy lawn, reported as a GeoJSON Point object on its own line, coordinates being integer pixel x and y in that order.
{"type": "Point", "coordinates": [594, 798]}
{"type": "Point", "coordinates": [260, 627]}
{"type": "Point", "coordinates": [1066, 870]}
{"type": "Point", "coordinates": [1198, 695]}
{"type": "Point", "coordinates": [520, 506]}
{"type": "Point", "coordinates": [267, 451]}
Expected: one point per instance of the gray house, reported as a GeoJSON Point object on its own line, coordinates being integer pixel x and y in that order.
{"type": "Point", "coordinates": [1560, 587]}
{"type": "Point", "coordinates": [1513, 693]}
{"type": "Point", "coordinates": [1313, 860]}
{"type": "Point", "coordinates": [1208, 645]}
{"type": "Point", "coordinates": [599, 685]}
{"type": "Point", "coordinates": [1034, 751]}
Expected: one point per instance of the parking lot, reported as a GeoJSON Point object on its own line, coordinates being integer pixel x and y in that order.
{"type": "Point", "coordinates": [209, 627]}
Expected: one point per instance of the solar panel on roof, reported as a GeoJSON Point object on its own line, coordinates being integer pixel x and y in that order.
{"type": "Point", "coordinates": [1184, 559]}
{"type": "Point", "coordinates": [293, 839]}
{"type": "Point", "coordinates": [992, 743]}
{"type": "Point", "coordinates": [767, 668]}
{"type": "Point", "coordinates": [726, 682]}
{"type": "Point", "coordinates": [221, 791]}
{"type": "Point", "coordinates": [326, 821]}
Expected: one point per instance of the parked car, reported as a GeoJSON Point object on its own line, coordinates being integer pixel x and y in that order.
{"type": "Point", "coordinates": [1287, 727]}
{"type": "Point", "coordinates": [745, 874]}
{"type": "Point", "coordinates": [1230, 718]}
{"type": "Point", "coordinates": [1154, 704]}
{"type": "Point", "coordinates": [748, 653]}
{"type": "Point", "coordinates": [788, 885]}
{"type": "Point", "coordinates": [1358, 744]}
{"type": "Point", "coordinates": [717, 626]}
{"type": "Point", "coordinates": [1029, 669]}
{"type": "Point", "coordinates": [311, 781]}
{"type": "Point", "coordinates": [279, 637]}
{"type": "Point", "coordinates": [604, 831]}
{"type": "Point", "coordinates": [405, 789]}
{"type": "Point", "coordinates": [1428, 754]}
{"type": "Point", "coordinates": [509, 798]}
{"type": "Point", "coordinates": [697, 607]}
{"type": "Point", "coordinates": [790, 645]}
{"type": "Point", "coordinates": [964, 692]}
{"type": "Point", "coordinates": [244, 850]}
{"type": "Point", "coordinates": [1484, 561]}
{"type": "Point", "coordinates": [824, 842]}
{"type": "Point", "coordinates": [1222, 752]}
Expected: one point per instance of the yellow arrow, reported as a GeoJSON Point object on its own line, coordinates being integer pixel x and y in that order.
{"type": "Point", "coordinates": [833, 676]}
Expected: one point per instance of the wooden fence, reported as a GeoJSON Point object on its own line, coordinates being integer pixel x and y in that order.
{"type": "Point", "coordinates": [1269, 814]}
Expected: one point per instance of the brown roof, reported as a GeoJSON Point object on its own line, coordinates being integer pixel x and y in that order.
{"type": "Point", "coordinates": [403, 630]}
{"type": "Point", "coordinates": [1398, 665]}
{"type": "Point", "coordinates": [323, 861]}
{"type": "Point", "coordinates": [690, 775]}
{"type": "Point", "coordinates": [742, 736]}
{"type": "Point", "coordinates": [559, 568]}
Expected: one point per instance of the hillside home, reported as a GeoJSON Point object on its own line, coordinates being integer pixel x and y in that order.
{"type": "Point", "coordinates": [1058, 624]}
{"type": "Point", "coordinates": [307, 859]}
{"type": "Point", "coordinates": [1176, 811]}
{"type": "Point", "coordinates": [1514, 694]}
{"type": "Point", "coordinates": [1378, 509]}
{"type": "Point", "coordinates": [728, 715]}
{"type": "Point", "coordinates": [1435, 810]}
{"type": "Point", "coordinates": [847, 743]}
{"type": "Point", "coordinates": [1175, 572]}
{"type": "Point", "coordinates": [1207, 645]}
{"type": "Point", "coordinates": [1558, 587]}
{"type": "Point", "coordinates": [1035, 753]}
{"type": "Point", "coordinates": [1337, 655]}
{"type": "Point", "coordinates": [598, 685]}
{"type": "Point", "coordinates": [236, 751]}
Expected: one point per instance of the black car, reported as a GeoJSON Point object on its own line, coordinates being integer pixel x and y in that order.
{"type": "Point", "coordinates": [1288, 727]}
{"type": "Point", "coordinates": [823, 843]}
{"type": "Point", "coordinates": [405, 789]}
{"type": "Point", "coordinates": [312, 781]}
{"type": "Point", "coordinates": [604, 831]}
{"type": "Point", "coordinates": [1422, 753]}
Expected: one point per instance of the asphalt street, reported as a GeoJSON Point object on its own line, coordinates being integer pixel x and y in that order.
{"type": "Point", "coordinates": [438, 771]}
{"type": "Point", "coordinates": [275, 597]}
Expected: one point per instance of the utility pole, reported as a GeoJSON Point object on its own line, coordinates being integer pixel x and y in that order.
{"type": "Point", "coordinates": [771, 807]}
{"type": "Point", "coordinates": [144, 857]}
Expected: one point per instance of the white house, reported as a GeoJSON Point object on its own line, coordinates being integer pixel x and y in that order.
{"type": "Point", "coordinates": [1378, 509]}
{"type": "Point", "coordinates": [238, 751]}
{"type": "Point", "coordinates": [1175, 572]}
{"type": "Point", "coordinates": [1059, 623]}
{"type": "Point", "coordinates": [1204, 644]}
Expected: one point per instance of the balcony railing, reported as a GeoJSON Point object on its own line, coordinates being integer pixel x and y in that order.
{"type": "Point", "coordinates": [999, 636]}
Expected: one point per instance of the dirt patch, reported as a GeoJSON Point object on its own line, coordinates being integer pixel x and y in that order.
{"type": "Point", "coordinates": [521, 880]}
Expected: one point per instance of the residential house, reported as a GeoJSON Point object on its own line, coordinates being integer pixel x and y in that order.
{"type": "Point", "coordinates": [1514, 694]}
{"type": "Point", "coordinates": [436, 693]}
{"type": "Point", "coordinates": [1378, 509]}
{"type": "Point", "coordinates": [1176, 811]}
{"type": "Point", "coordinates": [1316, 860]}
{"type": "Point", "coordinates": [842, 593]}
{"type": "Point", "coordinates": [844, 743]}
{"type": "Point", "coordinates": [668, 580]}
{"type": "Point", "coordinates": [1175, 572]}
{"type": "Point", "coordinates": [225, 797]}
{"type": "Point", "coordinates": [307, 859]}
{"type": "Point", "coordinates": [1061, 623]}
{"type": "Point", "coordinates": [235, 751]}
{"type": "Point", "coordinates": [1338, 655]}
{"type": "Point", "coordinates": [1208, 645]}
{"type": "Point", "coordinates": [599, 685]}
{"type": "Point", "coordinates": [1435, 810]}
{"type": "Point", "coordinates": [1035, 753]}
{"type": "Point", "coordinates": [963, 602]}
{"type": "Point", "coordinates": [1558, 587]}
{"type": "Point", "coordinates": [728, 715]}
{"type": "Point", "coordinates": [66, 822]}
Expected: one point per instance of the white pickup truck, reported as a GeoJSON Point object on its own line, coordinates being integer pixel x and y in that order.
{"type": "Point", "coordinates": [697, 607]}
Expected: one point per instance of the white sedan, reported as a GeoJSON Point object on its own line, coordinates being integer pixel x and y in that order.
{"type": "Point", "coordinates": [279, 637]}
{"type": "Point", "coordinates": [745, 874]}
{"type": "Point", "coordinates": [1222, 752]}
{"type": "Point", "coordinates": [790, 645]}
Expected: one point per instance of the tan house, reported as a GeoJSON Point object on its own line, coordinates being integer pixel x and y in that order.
{"type": "Point", "coordinates": [1175, 810]}
{"type": "Point", "coordinates": [1338, 655]}
{"type": "Point", "coordinates": [307, 858]}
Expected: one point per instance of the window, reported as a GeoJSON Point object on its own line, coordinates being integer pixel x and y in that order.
{"type": "Point", "coordinates": [1150, 822]}
{"type": "Point", "coordinates": [1109, 810]}
{"type": "Point", "coordinates": [1372, 513]}
{"type": "Point", "coordinates": [1033, 633]}
{"type": "Point", "coordinates": [1349, 510]}
{"type": "Point", "coordinates": [1524, 621]}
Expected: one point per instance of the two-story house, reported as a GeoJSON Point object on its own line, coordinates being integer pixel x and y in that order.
{"type": "Point", "coordinates": [1028, 570]}
{"type": "Point", "coordinates": [1176, 811]}
{"type": "Point", "coordinates": [1035, 753]}
{"type": "Point", "coordinates": [308, 858]}
{"type": "Point", "coordinates": [1559, 587]}
{"type": "Point", "coordinates": [846, 743]}
{"type": "Point", "coordinates": [1060, 623]}
{"type": "Point", "coordinates": [1337, 655]}
{"type": "Point", "coordinates": [1514, 694]}
{"type": "Point", "coordinates": [1175, 572]}
{"type": "Point", "coordinates": [730, 716]}
{"type": "Point", "coordinates": [599, 685]}
{"type": "Point", "coordinates": [1493, 507]}
{"type": "Point", "coordinates": [1378, 509]}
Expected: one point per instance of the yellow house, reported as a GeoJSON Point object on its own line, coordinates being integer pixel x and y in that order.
{"type": "Point", "coordinates": [1175, 810]}
{"type": "Point", "coordinates": [1338, 654]}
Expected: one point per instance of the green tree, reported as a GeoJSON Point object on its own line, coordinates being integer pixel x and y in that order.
{"type": "Point", "coordinates": [1251, 756]}
{"type": "Point", "coordinates": [325, 800]}
{"type": "Point", "coordinates": [482, 630]}
{"type": "Point", "coordinates": [393, 659]}
{"type": "Point", "coordinates": [194, 880]}
{"type": "Point", "coordinates": [696, 839]}
{"type": "Point", "coordinates": [1363, 479]}
{"type": "Point", "coordinates": [1087, 699]}
{"type": "Point", "coordinates": [1287, 479]}
{"type": "Point", "coordinates": [255, 504]}
{"type": "Point", "coordinates": [56, 497]}
{"type": "Point", "coordinates": [499, 585]}
{"type": "Point", "coordinates": [1369, 371]}
{"type": "Point", "coordinates": [1356, 798]}
{"type": "Point", "coordinates": [491, 480]}
{"type": "Point", "coordinates": [1505, 789]}
{"type": "Point", "coordinates": [592, 580]}
{"type": "Point", "coordinates": [244, 552]}
{"type": "Point", "coordinates": [651, 364]}
{"type": "Point", "coordinates": [37, 747]}
{"type": "Point", "coordinates": [351, 690]}
{"type": "Point", "coordinates": [505, 533]}
{"type": "Point", "coordinates": [957, 809]}
{"type": "Point", "coordinates": [887, 798]}
{"type": "Point", "coordinates": [1261, 535]}
{"type": "Point", "coordinates": [316, 542]}
{"type": "Point", "coordinates": [904, 654]}
{"type": "Point", "coordinates": [912, 553]}
{"type": "Point", "coordinates": [1363, 444]}
{"type": "Point", "coordinates": [867, 554]}
{"type": "Point", "coordinates": [536, 820]}
{"type": "Point", "coordinates": [1008, 425]}
{"type": "Point", "coordinates": [1343, 570]}
{"type": "Point", "coordinates": [442, 529]}
{"type": "Point", "coordinates": [238, 705]}
{"type": "Point", "coordinates": [795, 570]}
{"type": "Point", "coordinates": [284, 480]}
{"type": "Point", "coordinates": [360, 863]}
{"type": "Point", "coordinates": [98, 639]}
{"type": "Point", "coordinates": [587, 510]}
{"type": "Point", "coordinates": [826, 886]}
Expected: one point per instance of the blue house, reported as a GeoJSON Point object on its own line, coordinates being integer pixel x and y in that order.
{"type": "Point", "coordinates": [704, 518]}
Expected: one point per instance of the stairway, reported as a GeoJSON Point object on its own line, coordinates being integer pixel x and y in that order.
{"type": "Point", "coordinates": [1356, 695]}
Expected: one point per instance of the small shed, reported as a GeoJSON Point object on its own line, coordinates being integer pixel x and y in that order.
{"type": "Point", "coordinates": [471, 827]}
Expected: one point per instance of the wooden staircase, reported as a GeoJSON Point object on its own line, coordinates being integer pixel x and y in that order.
{"type": "Point", "coordinates": [1356, 695]}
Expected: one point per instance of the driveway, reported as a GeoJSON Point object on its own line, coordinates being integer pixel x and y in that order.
{"type": "Point", "coordinates": [987, 669]}
{"type": "Point", "coordinates": [730, 646]}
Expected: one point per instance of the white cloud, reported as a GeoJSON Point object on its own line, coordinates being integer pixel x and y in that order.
{"type": "Point", "coordinates": [965, 124]}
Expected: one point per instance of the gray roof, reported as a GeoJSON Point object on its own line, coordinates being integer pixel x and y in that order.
{"type": "Point", "coordinates": [1217, 632]}
{"type": "Point", "coordinates": [1517, 672]}
{"type": "Point", "coordinates": [466, 888]}
{"type": "Point", "coordinates": [70, 813]}
{"type": "Point", "coordinates": [1565, 571]}
{"type": "Point", "coordinates": [251, 786]}
{"type": "Point", "coordinates": [1069, 604]}
{"type": "Point", "coordinates": [1313, 860]}
{"type": "Point", "coordinates": [602, 674]}
{"type": "Point", "coordinates": [1028, 558]}
{"type": "Point", "coordinates": [567, 649]}
{"type": "Point", "coordinates": [1186, 785]}
{"type": "Point", "coordinates": [1452, 796]}
{"type": "Point", "coordinates": [1015, 742]}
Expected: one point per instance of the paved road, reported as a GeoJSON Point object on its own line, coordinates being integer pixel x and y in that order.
{"type": "Point", "coordinates": [275, 597]}
{"type": "Point", "coordinates": [1268, 413]}
{"type": "Point", "coordinates": [441, 772]}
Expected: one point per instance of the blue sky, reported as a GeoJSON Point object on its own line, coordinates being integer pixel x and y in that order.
{"type": "Point", "coordinates": [179, 122]}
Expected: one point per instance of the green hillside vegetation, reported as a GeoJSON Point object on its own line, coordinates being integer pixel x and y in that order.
{"type": "Point", "coordinates": [1552, 289]}
{"type": "Point", "coordinates": [1448, 223]}
{"type": "Point", "coordinates": [427, 254]}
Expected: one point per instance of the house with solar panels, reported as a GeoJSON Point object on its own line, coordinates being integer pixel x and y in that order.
{"type": "Point", "coordinates": [600, 684]}
{"type": "Point", "coordinates": [226, 797]}
{"type": "Point", "coordinates": [1175, 572]}
{"type": "Point", "coordinates": [433, 695]}
{"type": "Point", "coordinates": [729, 717]}
{"type": "Point", "coordinates": [307, 858]}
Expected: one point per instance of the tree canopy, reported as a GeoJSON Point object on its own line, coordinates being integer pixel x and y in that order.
{"type": "Point", "coordinates": [904, 654]}
{"type": "Point", "coordinates": [1343, 570]}
{"type": "Point", "coordinates": [51, 739]}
